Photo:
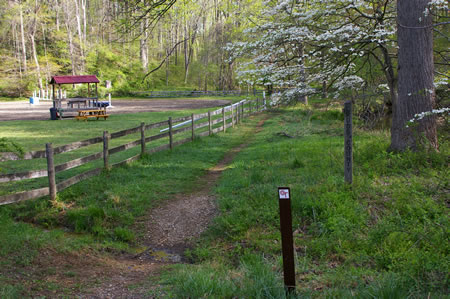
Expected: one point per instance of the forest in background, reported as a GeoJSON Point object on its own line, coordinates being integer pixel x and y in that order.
{"type": "Point", "coordinates": [120, 41]}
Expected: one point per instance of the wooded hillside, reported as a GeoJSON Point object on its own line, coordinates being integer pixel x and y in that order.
{"type": "Point", "coordinates": [120, 41]}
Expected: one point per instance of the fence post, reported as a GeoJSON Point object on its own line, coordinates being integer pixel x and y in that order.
{"type": "Point", "coordinates": [142, 138]}
{"type": "Point", "coordinates": [106, 149]}
{"type": "Point", "coordinates": [348, 140]}
{"type": "Point", "coordinates": [170, 134]}
{"type": "Point", "coordinates": [209, 123]}
{"type": "Point", "coordinates": [232, 116]}
{"type": "Point", "coordinates": [223, 120]}
{"type": "Point", "coordinates": [193, 135]}
{"type": "Point", "coordinates": [257, 104]}
{"type": "Point", "coordinates": [50, 171]}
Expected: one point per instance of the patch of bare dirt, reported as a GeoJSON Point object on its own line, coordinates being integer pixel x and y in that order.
{"type": "Point", "coordinates": [26, 111]}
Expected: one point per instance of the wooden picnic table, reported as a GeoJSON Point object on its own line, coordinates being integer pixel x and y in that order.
{"type": "Point", "coordinates": [97, 113]}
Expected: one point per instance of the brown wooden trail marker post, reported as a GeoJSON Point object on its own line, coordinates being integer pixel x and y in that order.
{"type": "Point", "coordinates": [50, 171]}
{"type": "Point", "coordinates": [348, 141]}
{"type": "Point", "coordinates": [287, 242]}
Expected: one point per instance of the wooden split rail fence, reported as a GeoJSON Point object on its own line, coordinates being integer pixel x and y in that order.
{"type": "Point", "coordinates": [214, 122]}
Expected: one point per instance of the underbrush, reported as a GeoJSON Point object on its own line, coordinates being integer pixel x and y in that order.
{"type": "Point", "coordinates": [386, 236]}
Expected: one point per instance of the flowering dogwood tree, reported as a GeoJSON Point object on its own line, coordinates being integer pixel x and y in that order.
{"type": "Point", "coordinates": [335, 45]}
{"type": "Point", "coordinates": [299, 46]}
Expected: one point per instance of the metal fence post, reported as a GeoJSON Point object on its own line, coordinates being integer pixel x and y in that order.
{"type": "Point", "coordinates": [50, 171]}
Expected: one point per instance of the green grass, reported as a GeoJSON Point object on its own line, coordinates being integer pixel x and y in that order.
{"type": "Point", "coordinates": [107, 206]}
{"type": "Point", "coordinates": [33, 135]}
{"type": "Point", "coordinates": [102, 211]}
{"type": "Point", "coordinates": [384, 237]}
{"type": "Point", "coordinates": [8, 99]}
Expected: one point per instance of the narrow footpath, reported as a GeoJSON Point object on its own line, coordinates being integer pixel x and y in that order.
{"type": "Point", "coordinates": [169, 230]}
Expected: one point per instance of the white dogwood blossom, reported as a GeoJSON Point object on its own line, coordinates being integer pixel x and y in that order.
{"type": "Point", "coordinates": [299, 47]}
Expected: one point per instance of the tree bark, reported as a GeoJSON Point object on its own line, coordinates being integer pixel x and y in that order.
{"type": "Point", "coordinates": [415, 77]}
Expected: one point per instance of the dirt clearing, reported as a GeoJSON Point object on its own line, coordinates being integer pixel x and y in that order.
{"type": "Point", "coordinates": [26, 111]}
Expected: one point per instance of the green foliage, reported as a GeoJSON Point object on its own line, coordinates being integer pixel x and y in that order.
{"type": "Point", "coordinates": [385, 237]}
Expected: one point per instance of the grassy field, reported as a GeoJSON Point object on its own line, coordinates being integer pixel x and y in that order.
{"type": "Point", "coordinates": [99, 214]}
{"type": "Point", "coordinates": [384, 237]}
{"type": "Point", "coordinates": [32, 135]}
{"type": "Point", "coordinates": [6, 99]}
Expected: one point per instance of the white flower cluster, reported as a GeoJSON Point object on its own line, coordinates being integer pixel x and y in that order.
{"type": "Point", "coordinates": [439, 4]}
{"type": "Point", "coordinates": [297, 46]}
{"type": "Point", "coordinates": [420, 116]}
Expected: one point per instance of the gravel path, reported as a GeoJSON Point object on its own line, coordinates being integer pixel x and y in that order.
{"type": "Point", "coordinates": [26, 111]}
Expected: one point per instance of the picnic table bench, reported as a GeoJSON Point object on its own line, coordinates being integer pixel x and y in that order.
{"type": "Point", "coordinates": [85, 114]}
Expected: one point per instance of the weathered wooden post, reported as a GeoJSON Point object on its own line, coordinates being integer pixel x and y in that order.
{"type": "Point", "coordinates": [287, 242]}
{"type": "Point", "coordinates": [257, 104]}
{"type": "Point", "coordinates": [232, 116]}
{"type": "Point", "coordinates": [142, 138]}
{"type": "Point", "coordinates": [170, 134]}
{"type": "Point", "coordinates": [106, 149]}
{"type": "Point", "coordinates": [209, 123]}
{"type": "Point", "coordinates": [224, 124]}
{"type": "Point", "coordinates": [348, 140]}
{"type": "Point", "coordinates": [192, 126]}
{"type": "Point", "coordinates": [50, 171]}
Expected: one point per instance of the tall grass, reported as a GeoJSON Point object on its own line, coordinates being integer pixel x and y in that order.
{"type": "Point", "coordinates": [383, 237]}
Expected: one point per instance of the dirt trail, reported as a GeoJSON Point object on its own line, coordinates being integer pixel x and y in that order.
{"type": "Point", "coordinates": [169, 230]}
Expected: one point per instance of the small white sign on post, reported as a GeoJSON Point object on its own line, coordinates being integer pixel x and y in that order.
{"type": "Point", "coordinates": [283, 193]}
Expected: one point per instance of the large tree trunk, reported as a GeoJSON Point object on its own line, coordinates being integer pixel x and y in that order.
{"type": "Point", "coordinates": [415, 77]}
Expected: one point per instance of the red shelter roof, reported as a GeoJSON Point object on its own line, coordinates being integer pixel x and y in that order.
{"type": "Point", "coordinates": [74, 79]}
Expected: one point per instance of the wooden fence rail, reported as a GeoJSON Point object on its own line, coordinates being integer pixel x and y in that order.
{"type": "Point", "coordinates": [234, 112]}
